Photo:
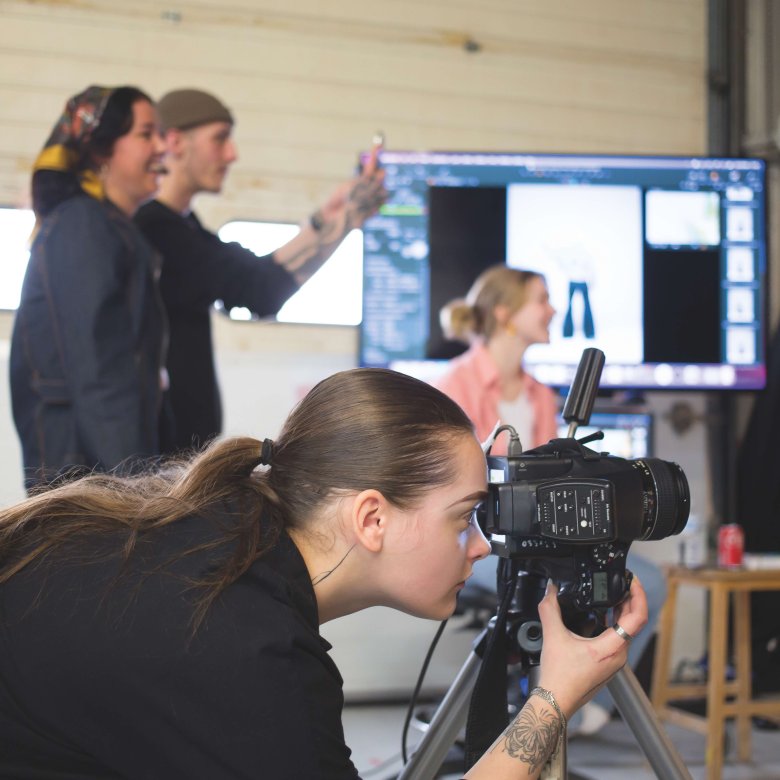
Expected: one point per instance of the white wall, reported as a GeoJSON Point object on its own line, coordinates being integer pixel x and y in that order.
{"type": "Point", "coordinates": [310, 83]}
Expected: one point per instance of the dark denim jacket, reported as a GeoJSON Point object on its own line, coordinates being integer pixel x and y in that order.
{"type": "Point", "coordinates": [88, 344]}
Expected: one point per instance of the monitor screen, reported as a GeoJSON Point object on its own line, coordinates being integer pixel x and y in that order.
{"type": "Point", "coordinates": [657, 261]}
{"type": "Point", "coordinates": [627, 434]}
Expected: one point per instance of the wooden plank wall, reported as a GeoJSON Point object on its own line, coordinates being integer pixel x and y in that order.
{"type": "Point", "coordinates": [310, 82]}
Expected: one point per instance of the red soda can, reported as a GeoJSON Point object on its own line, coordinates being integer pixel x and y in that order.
{"type": "Point", "coordinates": [731, 545]}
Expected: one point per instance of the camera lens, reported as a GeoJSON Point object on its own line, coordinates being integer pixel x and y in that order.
{"type": "Point", "coordinates": [667, 498]}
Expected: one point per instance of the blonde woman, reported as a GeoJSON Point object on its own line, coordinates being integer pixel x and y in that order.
{"type": "Point", "coordinates": [505, 312]}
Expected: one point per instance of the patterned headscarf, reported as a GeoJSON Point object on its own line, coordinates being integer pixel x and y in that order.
{"type": "Point", "coordinates": [62, 151]}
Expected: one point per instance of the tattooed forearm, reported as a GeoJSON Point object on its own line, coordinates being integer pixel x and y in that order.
{"type": "Point", "coordinates": [365, 197]}
{"type": "Point", "coordinates": [531, 737]}
{"type": "Point", "coordinates": [348, 208]}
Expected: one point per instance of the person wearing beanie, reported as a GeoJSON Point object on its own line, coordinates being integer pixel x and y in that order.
{"type": "Point", "coordinates": [199, 268]}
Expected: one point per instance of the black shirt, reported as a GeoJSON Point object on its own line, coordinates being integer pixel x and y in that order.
{"type": "Point", "coordinates": [100, 677]}
{"type": "Point", "coordinates": [199, 269]}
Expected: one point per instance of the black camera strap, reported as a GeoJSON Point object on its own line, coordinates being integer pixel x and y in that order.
{"type": "Point", "coordinates": [488, 712]}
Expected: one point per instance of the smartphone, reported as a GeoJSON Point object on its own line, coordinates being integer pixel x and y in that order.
{"type": "Point", "coordinates": [378, 139]}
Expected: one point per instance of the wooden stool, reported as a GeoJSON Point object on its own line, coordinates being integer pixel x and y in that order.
{"type": "Point", "coordinates": [721, 583]}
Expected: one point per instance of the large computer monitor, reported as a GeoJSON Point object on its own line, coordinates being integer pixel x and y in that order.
{"type": "Point", "coordinates": [658, 261]}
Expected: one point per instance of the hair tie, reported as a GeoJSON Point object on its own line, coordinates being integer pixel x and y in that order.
{"type": "Point", "coordinates": [267, 452]}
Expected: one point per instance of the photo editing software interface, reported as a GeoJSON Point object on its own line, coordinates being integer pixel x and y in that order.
{"type": "Point", "coordinates": [657, 261]}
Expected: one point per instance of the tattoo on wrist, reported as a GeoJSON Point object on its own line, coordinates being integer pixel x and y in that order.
{"type": "Point", "coordinates": [365, 197]}
{"type": "Point", "coordinates": [533, 736]}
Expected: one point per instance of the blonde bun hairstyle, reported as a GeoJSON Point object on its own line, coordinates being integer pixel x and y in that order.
{"type": "Point", "coordinates": [465, 319]}
{"type": "Point", "coordinates": [458, 320]}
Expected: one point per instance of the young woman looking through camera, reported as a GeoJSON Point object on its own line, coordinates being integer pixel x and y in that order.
{"type": "Point", "coordinates": [169, 622]}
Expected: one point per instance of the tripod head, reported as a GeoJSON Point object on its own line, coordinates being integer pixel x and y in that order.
{"type": "Point", "coordinates": [522, 626]}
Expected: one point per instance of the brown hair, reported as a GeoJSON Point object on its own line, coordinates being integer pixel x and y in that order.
{"type": "Point", "coordinates": [358, 429]}
{"type": "Point", "coordinates": [464, 318]}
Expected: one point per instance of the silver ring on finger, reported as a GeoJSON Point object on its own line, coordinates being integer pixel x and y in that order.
{"type": "Point", "coordinates": [622, 633]}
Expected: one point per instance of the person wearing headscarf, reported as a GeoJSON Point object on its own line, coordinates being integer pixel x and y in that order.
{"type": "Point", "coordinates": [88, 342]}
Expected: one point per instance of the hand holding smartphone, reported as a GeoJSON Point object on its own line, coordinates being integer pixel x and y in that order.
{"type": "Point", "coordinates": [372, 157]}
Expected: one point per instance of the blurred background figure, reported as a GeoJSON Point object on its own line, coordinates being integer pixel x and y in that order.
{"type": "Point", "coordinates": [505, 312]}
{"type": "Point", "coordinates": [199, 268]}
{"type": "Point", "coordinates": [88, 342]}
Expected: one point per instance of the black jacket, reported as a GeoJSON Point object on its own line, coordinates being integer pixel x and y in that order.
{"type": "Point", "coordinates": [88, 343]}
{"type": "Point", "coordinates": [199, 269]}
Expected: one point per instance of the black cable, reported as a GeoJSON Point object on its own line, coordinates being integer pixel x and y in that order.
{"type": "Point", "coordinates": [514, 447]}
{"type": "Point", "coordinates": [416, 692]}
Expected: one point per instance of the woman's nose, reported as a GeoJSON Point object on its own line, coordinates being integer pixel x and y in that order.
{"type": "Point", "coordinates": [481, 546]}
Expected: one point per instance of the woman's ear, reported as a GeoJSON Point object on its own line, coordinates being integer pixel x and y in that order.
{"type": "Point", "coordinates": [502, 314]}
{"type": "Point", "coordinates": [369, 516]}
{"type": "Point", "coordinates": [99, 163]}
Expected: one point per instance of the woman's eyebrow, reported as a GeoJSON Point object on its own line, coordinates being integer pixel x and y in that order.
{"type": "Point", "coordinates": [480, 495]}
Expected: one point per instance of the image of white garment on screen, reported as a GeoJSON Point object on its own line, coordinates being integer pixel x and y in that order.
{"type": "Point", "coordinates": [739, 223]}
{"type": "Point", "coordinates": [740, 346]}
{"type": "Point", "coordinates": [520, 415]}
{"type": "Point", "coordinates": [587, 241]}
{"type": "Point", "coordinates": [683, 218]}
{"type": "Point", "coordinates": [739, 264]}
{"type": "Point", "coordinates": [740, 305]}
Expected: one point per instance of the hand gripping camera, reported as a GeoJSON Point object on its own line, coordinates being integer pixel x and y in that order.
{"type": "Point", "coordinates": [567, 512]}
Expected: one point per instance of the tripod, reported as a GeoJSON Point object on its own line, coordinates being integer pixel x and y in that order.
{"type": "Point", "coordinates": [451, 715]}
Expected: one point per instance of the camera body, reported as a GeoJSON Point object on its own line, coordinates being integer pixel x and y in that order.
{"type": "Point", "coordinates": [570, 513]}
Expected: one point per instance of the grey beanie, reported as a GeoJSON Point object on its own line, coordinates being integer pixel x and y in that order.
{"type": "Point", "coordinates": [185, 108]}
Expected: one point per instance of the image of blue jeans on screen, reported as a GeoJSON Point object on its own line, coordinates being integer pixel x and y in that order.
{"type": "Point", "coordinates": [588, 327]}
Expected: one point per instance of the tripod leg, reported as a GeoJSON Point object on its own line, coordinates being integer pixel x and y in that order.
{"type": "Point", "coordinates": [445, 725]}
{"type": "Point", "coordinates": [638, 713]}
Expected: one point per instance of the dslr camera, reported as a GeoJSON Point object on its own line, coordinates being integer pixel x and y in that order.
{"type": "Point", "coordinates": [566, 511]}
